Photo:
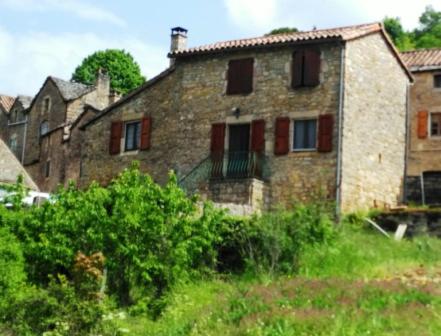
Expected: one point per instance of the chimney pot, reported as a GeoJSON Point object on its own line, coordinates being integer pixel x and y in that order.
{"type": "Point", "coordinates": [178, 39]}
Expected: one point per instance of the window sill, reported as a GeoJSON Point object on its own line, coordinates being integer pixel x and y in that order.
{"type": "Point", "coordinates": [130, 152]}
{"type": "Point", "coordinates": [306, 150]}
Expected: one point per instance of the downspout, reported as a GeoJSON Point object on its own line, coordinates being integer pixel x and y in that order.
{"type": "Point", "coordinates": [24, 141]}
{"type": "Point", "coordinates": [340, 132]}
{"type": "Point", "coordinates": [407, 143]}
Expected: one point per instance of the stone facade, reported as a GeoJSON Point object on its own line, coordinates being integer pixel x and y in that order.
{"type": "Point", "coordinates": [374, 126]}
{"type": "Point", "coordinates": [186, 100]}
{"type": "Point", "coordinates": [17, 125]}
{"type": "Point", "coordinates": [52, 152]}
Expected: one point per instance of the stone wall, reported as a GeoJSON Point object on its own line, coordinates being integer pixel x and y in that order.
{"type": "Point", "coordinates": [374, 126]}
{"type": "Point", "coordinates": [424, 154]}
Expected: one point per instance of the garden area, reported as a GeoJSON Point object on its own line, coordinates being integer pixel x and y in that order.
{"type": "Point", "coordinates": [136, 258]}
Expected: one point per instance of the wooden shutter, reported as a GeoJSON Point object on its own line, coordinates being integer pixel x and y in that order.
{"type": "Point", "coordinates": [217, 138]}
{"type": "Point", "coordinates": [423, 121]}
{"type": "Point", "coordinates": [146, 124]}
{"type": "Point", "coordinates": [297, 69]}
{"type": "Point", "coordinates": [311, 67]}
{"type": "Point", "coordinates": [115, 137]}
{"type": "Point", "coordinates": [258, 136]}
{"type": "Point", "coordinates": [325, 131]}
{"type": "Point", "coordinates": [240, 76]}
{"type": "Point", "coordinates": [281, 145]}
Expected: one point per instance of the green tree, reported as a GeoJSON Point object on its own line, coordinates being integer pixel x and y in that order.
{"type": "Point", "coordinates": [124, 72]}
{"type": "Point", "coordinates": [428, 35]}
{"type": "Point", "coordinates": [282, 30]}
{"type": "Point", "coordinates": [402, 39]}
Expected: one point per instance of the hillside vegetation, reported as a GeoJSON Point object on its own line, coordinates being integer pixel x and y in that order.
{"type": "Point", "coordinates": [137, 258]}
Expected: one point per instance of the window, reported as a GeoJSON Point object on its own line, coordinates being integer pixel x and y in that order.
{"type": "Point", "coordinates": [44, 127]}
{"type": "Point", "coordinates": [13, 143]}
{"type": "Point", "coordinates": [437, 81]}
{"type": "Point", "coordinates": [132, 135]}
{"type": "Point", "coordinates": [47, 168]}
{"type": "Point", "coordinates": [240, 76]}
{"type": "Point", "coordinates": [46, 105]}
{"type": "Point", "coordinates": [306, 68]}
{"type": "Point", "coordinates": [435, 124]}
{"type": "Point", "coordinates": [304, 134]}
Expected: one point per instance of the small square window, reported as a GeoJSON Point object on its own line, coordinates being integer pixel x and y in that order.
{"type": "Point", "coordinates": [240, 76]}
{"type": "Point", "coordinates": [132, 135]}
{"type": "Point", "coordinates": [437, 81]}
{"type": "Point", "coordinates": [435, 124]}
{"type": "Point", "coordinates": [305, 134]}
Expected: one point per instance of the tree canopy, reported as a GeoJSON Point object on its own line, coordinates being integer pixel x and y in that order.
{"type": "Point", "coordinates": [282, 30]}
{"type": "Point", "coordinates": [427, 35]}
{"type": "Point", "coordinates": [124, 72]}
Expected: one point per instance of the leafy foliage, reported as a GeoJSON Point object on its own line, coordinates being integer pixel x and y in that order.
{"type": "Point", "coordinates": [282, 30]}
{"type": "Point", "coordinates": [124, 72]}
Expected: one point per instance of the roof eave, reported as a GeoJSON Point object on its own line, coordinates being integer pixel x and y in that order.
{"type": "Point", "coordinates": [422, 68]}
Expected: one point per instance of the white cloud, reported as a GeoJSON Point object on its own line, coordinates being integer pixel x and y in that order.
{"type": "Point", "coordinates": [27, 59]}
{"type": "Point", "coordinates": [264, 15]}
{"type": "Point", "coordinates": [76, 7]}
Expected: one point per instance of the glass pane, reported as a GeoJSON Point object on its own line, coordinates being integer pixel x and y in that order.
{"type": "Point", "coordinates": [299, 134]}
{"type": "Point", "coordinates": [311, 133]}
{"type": "Point", "coordinates": [130, 136]}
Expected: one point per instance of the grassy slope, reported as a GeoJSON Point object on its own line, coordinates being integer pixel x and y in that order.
{"type": "Point", "coordinates": [364, 284]}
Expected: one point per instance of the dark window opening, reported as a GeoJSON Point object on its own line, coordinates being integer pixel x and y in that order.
{"type": "Point", "coordinates": [437, 81]}
{"type": "Point", "coordinates": [240, 76]}
{"type": "Point", "coordinates": [44, 128]}
{"type": "Point", "coordinates": [435, 124]}
{"type": "Point", "coordinates": [47, 169]}
{"type": "Point", "coordinates": [305, 134]}
{"type": "Point", "coordinates": [132, 136]}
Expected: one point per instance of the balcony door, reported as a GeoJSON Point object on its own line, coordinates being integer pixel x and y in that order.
{"type": "Point", "coordinates": [238, 151]}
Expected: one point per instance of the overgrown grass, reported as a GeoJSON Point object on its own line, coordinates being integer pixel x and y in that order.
{"type": "Point", "coordinates": [362, 284]}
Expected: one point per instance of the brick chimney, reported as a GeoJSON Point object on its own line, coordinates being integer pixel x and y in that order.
{"type": "Point", "coordinates": [178, 40]}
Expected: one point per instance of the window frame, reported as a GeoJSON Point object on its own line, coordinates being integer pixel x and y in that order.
{"type": "Point", "coordinates": [292, 135]}
{"type": "Point", "coordinates": [46, 105]}
{"type": "Point", "coordinates": [137, 136]}
{"type": "Point", "coordinates": [431, 114]}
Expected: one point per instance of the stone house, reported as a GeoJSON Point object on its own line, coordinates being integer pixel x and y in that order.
{"type": "Point", "coordinates": [6, 103]}
{"type": "Point", "coordinates": [424, 148]}
{"type": "Point", "coordinates": [51, 155]}
{"type": "Point", "coordinates": [266, 121]}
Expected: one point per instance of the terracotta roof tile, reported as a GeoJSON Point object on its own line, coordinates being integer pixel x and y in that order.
{"type": "Point", "coordinates": [342, 33]}
{"type": "Point", "coordinates": [423, 59]}
{"type": "Point", "coordinates": [6, 102]}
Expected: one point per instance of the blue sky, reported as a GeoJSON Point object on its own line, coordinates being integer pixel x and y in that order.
{"type": "Point", "coordinates": [50, 37]}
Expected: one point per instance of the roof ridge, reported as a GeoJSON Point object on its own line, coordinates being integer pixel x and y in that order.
{"type": "Point", "coordinates": [420, 50]}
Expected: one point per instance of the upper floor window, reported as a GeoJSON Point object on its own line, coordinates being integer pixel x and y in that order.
{"type": "Point", "coordinates": [305, 134]}
{"type": "Point", "coordinates": [44, 127]}
{"type": "Point", "coordinates": [132, 135]}
{"type": "Point", "coordinates": [46, 105]}
{"type": "Point", "coordinates": [435, 124]}
{"type": "Point", "coordinates": [240, 76]}
{"type": "Point", "coordinates": [13, 142]}
{"type": "Point", "coordinates": [437, 81]}
{"type": "Point", "coordinates": [306, 68]}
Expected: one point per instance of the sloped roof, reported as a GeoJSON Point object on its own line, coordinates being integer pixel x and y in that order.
{"type": "Point", "coordinates": [341, 33]}
{"type": "Point", "coordinates": [6, 102]}
{"type": "Point", "coordinates": [422, 59]}
{"type": "Point", "coordinates": [25, 101]}
{"type": "Point", "coordinates": [11, 168]}
{"type": "Point", "coordinates": [71, 90]}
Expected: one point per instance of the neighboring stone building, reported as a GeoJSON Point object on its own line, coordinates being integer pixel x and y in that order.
{"type": "Point", "coordinates": [6, 103]}
{"type": "Point", "coordinates": [51, 156]}
{"type": "Point", "coordinates": [266, 121]}
{"type": "Point", "coordinates": [10, 168]}
{"type": "Point", "coordinates": [424, 158]}
{"type": "Point", "coordinates": [17, 125]}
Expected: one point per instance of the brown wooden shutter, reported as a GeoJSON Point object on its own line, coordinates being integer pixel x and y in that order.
{"type": "Point", "coordinates": [217, 138]}
{"type": "Point", "coordinates": [423, 117]}
{"type": "Point", "coordinates": [312, 67]}
{"type": "Point", "coordinates": [281, 146]}
{"type": "Point", "coordinates": [240, 76]}
{"type": "Point", "coordinates": [115, 137]}
{"type": "Point", "coordinates": [258, 136]}
{"type": "Point", "coordinates": [146, 124]}
{"type": "Point", "coordinates": [297, 69]}
{"type": "Point", "coordinates": [325, 131]}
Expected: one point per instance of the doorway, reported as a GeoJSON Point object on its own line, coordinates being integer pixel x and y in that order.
{"type": "Point", "coordinates": [238, 151]}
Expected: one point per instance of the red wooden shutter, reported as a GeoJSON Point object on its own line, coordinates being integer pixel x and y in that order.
{"type": "Point", "coordinates": [312, 67]}
{"type": "Point", "coordinates": [423, 117]}
{"type": "Point", "coordinates": [281, 145]}
{"type": "Point", "coordinates": [115, 137]}
{"type": "Point", "coordinates": [297, 69]}
{"type": "Point", "coordinates": [146, 124]}
{"type": "Point", "coordinates": [258, 136]}
{"type": "Point", "coordinates": [325, 131]}
{"type": "Point", "coordinates": [240, 76]}
{"type": "Point", "coordinates": [217, 138]}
